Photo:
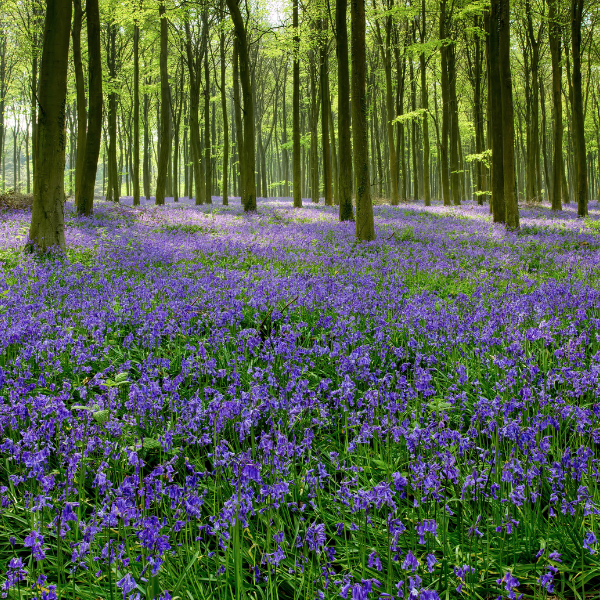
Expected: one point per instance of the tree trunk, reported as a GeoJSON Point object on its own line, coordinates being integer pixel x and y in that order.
{"type": "Point", "coordinates": [112, 193]}
{"type": "Point", "coordinates": [453, 110]}
{"type": "Point", "coordinates": [314, 123]}
{"type": "Point", "coordinates": [136, 115]}
{"type": "Point", "coordinates": [207, 137]}
{"type": "Point", "coordinates": [47, 219]}
{"type": "Point", "coordinates": [365, 227]}
{"type": "Point", "coordinates": [445, 107]}
{"type": "Point", "coordinates": [508, 125]}
{"type": "Point", "coordinates": [85, 198]}
{"type": "Point", "coordinates": [286, 158]}
{"type": "Point", "coordinates": [425, 106]}
{"type": "Point", "coordinates": [327, 191]}
{"type": "Point", "coordinates": [495, 112]}
{"type": "Point", "coordinates": [555, 53]}
{"type": "Point", "coordinates": [580, 179]}
{"type": "Point", "coordinates": [249, 195]}
{"type": "Point", "coordinates": [334, 161]}
{"type": "Point", "coordinates": [165, 138]}
{"type": "Point", "coordinates": [225, 190]}
{"type": "Point", "coordinates": [346, 212]}
{"type": "Point", "coordinates": [478, 116]}
{"type": "Point", "coordinates": [238, 117]}
{"type": "Point", "coordinates": [296, 158]}
{"type": "Point", "coordinates": [80, 88]}
{"type": "Point", "coordinates": [413, 126]}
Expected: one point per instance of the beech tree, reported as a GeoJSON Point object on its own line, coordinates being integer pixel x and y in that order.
{"type": "Point", "coordinates": [47, 218]}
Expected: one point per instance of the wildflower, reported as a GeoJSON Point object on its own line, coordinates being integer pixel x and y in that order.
{"type": "Point", "coordinates": [127, 584]}
{"type": "Point", "coordinates": [374, 561]}
{"type": "Point", "coordinates": [555, 556]}
{"type": "Point", "coordinates": [410, 562]}
{"type": "Point", "coordinates": [589, 540]}
{"type": "Point", "coordinates": [315, 537]}
{"type": "Point", "coordinates": [431, 562]}
{"type": "Point", "coordinates": [547, 579]}
{"type": "Point", "coordinates": [35, 541]}
{"type": "Point", "coordinates": [461, 573]}
{"type": "Point", "coordinates": [510, 584]}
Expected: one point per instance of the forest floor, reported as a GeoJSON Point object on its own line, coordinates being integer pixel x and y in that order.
{"type": "Point", "coordinates": [200, 403]}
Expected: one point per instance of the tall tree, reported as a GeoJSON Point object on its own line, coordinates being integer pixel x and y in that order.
{"type": "Point", "coordinates": [85, 196]}
{"type": "Point", "coordinates": [80, 90]}
{"type": "Point", "coordinates": [136, 113]}
{"type": "Point", "coordinates": [446, 116]}
{"type": "Point", "coordinates": [238, 115]}
{"type": "Point", "coordinates": [365, 227]}
{"type": "Point", "coordinates": [580, 183]}
{"type": "Point", "coordinates": [296, 172]}
{"type": "Point", "coordinates": [324, 76]}
{"type": "Point", "coordinates": [207, 112]}
{"type": "Point", "coordinates": [346, 212]}
{"type": "Point", "coordinates": [194, 50]}
{"type": "Point", "coordinates": [224, 114]}
{"type": "Point", "coordinates": [554, 32]}
{"type": "Point", "coordinates": [165, 108]}
{"type": "Point", "coordinates": [47, 218]}
{"type": "Point", "coordinates": [249, 186]}
{"type": "Point", "coordinates": [508, 121]}
{"type": "Point", "coordinates": [425, 107]}
{"type": "Point", "coordinates": [495, 113]}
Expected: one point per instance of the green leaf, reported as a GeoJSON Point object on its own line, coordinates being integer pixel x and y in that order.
{"type": "Point", "coordinates": [100, 416]}
{"type": "Point", "coordinates": [151, 444]}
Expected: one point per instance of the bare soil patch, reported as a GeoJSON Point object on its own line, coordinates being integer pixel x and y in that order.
{"type": "Point", "coordinates": [11, 200]}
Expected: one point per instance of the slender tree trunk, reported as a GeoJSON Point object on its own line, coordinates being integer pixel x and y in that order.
{"type": "Point", "coordinates": [165, 138]}
{"type": "Point", "coordinates": [446, 116]}
{"type": "Point", "coordinates": [365, 227]}
{"type": "Point", "coordinates": [334, 161]}
{"type": "Point", "coordinates": [207, 137]}
{"type": "Point", "coordinates": [146, 146]}
{"type": "Point", "coordinates": [47, 219]}
{"type": "Point", "coordinates": [296, 166]}
{"type": "Point", "coordinates": [225, 190]}
{"type": "Point", "coordinates": [580, 158]}
{"type": "Point", "coordinates": [346, 212]}
{"type": "Point", "coordinates": [249, 197]}
{"type": "Point", "coordinates": [495, 103]}
{"type": "Point", "coordinates": [80, 89]}
{"type": "Point", "coordinates": [478, 116]}
{"type": "Point", "coordinates": [136, 115]}
{"type": "Point", "coordinates": [508, 125]}
{"type": "Point", "coordinates": [27, 157]}
{"type": "Point", "coordinates": [413, 126]}
{"type": "Point", "coordinates": [555, 53]}
{"type": "Point", "coordinates": [194, 70]}
{"type": "Point", "coordinates": [238, 116]}
{"type": "Point", "coordinates": [314, 122]}
{"type": "Point", "coordinates": [286, 158]}
{"type": "Point", "coordinates": [454, 133]}
{"type": "Point", "coordinates": [425, 106]}
{"type": "Point", "coordinates": [547, 178]}
{"type": "Point", "coordinates": [327, 190]}
{"type": "Point", "coordinates": [389, 104]}
{"type": "Point", "coordinates": [112, 193]}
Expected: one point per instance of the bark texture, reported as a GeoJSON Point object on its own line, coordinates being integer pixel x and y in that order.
{"type": "Point", "coordinates": [47, 219]}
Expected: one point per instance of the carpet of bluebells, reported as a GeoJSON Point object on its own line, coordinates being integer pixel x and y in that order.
{"type": "Point", "coordinates": [198, 403]}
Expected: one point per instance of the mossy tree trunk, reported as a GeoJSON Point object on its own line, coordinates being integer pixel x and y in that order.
{"type": "Point", "coordinates": [47, 219]}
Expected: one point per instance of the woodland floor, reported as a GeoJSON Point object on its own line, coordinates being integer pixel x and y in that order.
{"type": "Point", "coordinates": [201, 403]}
